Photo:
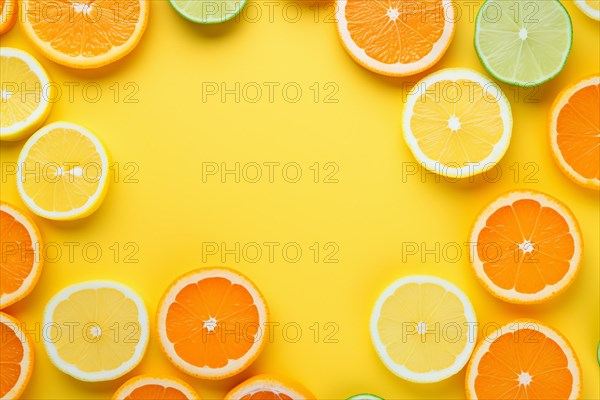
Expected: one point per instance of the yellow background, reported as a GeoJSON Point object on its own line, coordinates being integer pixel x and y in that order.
{"type": "Point", "coordinates": [369, 213]}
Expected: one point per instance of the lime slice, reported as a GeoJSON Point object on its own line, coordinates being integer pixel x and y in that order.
{"type": "Point", "coordinates": [523, 42]}
{"type": "Point", "coordinates": [208, 11]}
{"type": "Point", "coordinates": [365, 397]}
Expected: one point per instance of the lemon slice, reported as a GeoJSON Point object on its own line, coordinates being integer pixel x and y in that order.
{"type": "Point", "coordinates": [591, 8]}
{"type": "Point", "coordinates": [96, 330]}
{"type": "Point", "coordinates": [25, 91]}
{"type": "Point", "coordinates": [423, 328]}
{"type": "Point", "coordinates": [457, 123]}
{"type": "Point", "coordinates": [62, 173]}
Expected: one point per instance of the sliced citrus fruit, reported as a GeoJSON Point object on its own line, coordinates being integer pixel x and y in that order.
{"type": "Point", "coordinates": [591, 8]}
{"type": "Point", "coordinates": [86, 33]}
{"type": "Point", "coordinates": [8, 15]}
{"type": "Point", "coordinates": [423, 328]}
{"type": "Point", "coordinates": [21, 263]}
{"type": "Point", "coordinates": [575, 132]}
{"type": "Point", "coordinates": [211, 323]}
{"type": "Point", "coordinates": [62, 172]}
{"type": "Point", "coordinates": [145, 387]}
{"type": "Point", "coordinates": [365, 397]}
{"type": "Point", "coordinates": [25, 92]}
{"type": "Point", "coordinates": [269, 387]}
{"type": "Point", "coordinates": [526, 247]}
{"type": "Point", "coordinates": [97, 330]}
{"type": "Point", "coordinates": [208, 11]}
{"type": "Point", "coordinates": [396, 38]}
{"type": "Point", "coordinates": [523, 42]}
{"type": "Point", "coordinates": [457, 123]}
{"type": "Point", "coordinates": [16, 358]}
{"type": "Point", "coordinates": [523, 360]}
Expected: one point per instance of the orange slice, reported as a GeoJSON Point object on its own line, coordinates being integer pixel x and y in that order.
{"type": "Point", "coordinates": [21, 263]}
{"type": "Point", "coordinates": [16, 358]}
{"type": "Point", "coordinates": [396, 37]}
{"type": "Point", "coordinates": [524, 360]}
{"type": "Point", "coordinates": [146, 387]}
{"type": "Point", "coordinates": [86, 33]}
{"type": "Point", "coordinates": [8, 15]}
{"type": "Point", "coordinates": [269, 387]}
{"type": "Point", "coordinates": [526, 247]}
{"type": "Point", "coordinates": [575, 132]}
{"type": "Point", "coordinates": [211, 323]}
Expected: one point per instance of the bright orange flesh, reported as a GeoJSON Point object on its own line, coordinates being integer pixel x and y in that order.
{"type": "Point", "coordinates": [266, 395]}
{"type": "Point", "coordinates": [578, 131]}
{"type": "Point", "coordinates": [156, 392]}
{"type": "Point", "coordinates": [531, 267]}
{"type": "Point", "coordinates": [237, 322]}
{"type": "Point", "coordinates": [11, 358]}
{"type": "Point", "coordinates": [8, 15]}
{"type": "Point", "coordinates": [524, 351]}
{"type": "Point", "coordinates": [407, 39]}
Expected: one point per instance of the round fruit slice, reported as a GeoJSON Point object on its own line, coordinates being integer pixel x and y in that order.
{"type": "Point", "coordinates": [211, 323]}
{"type": "Point", "coordinates": [25, 92]}
{"type": "Point", "coordinates": [208, 11]}
{"type": "Point", "coordinates": [146, 387]}
{"type": "Point", "coordinates": [575, 132]}
{"type": "Point", "coordinates": [365, 397]}
{"type": "Point", "coordinates": [457, 123]}
{"type": "Point", "coordinates": [21, 262]}
{"type": "Point", "coordinates": [98, 330]}
{"type": "Point", "coordinates": [591, 8]}
{"type": "Point", "coordinates": [16, 358]}
{"type": "Point", "coordinates": [423, 328]}
{"type": "Point", "coordinates": [397, 38]}
{"type": "Point", "coordinates": [269, 387]}
{"type": "Point", "coordinates": [526, 247]}
{"type": "Point", "coordinates": [62, 173]}
{"type": "Point", "coordinates": [523, 360]}
{"type": "Point", "coordinates": [8, 15]}
{"type": "Point", "coordinates": [87, 33]}
{"type": "Point", "coordinates": [523, 42]}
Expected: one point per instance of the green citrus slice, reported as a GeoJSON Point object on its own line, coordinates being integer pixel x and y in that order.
{"type": "Point", "coordinates": [208, 11]}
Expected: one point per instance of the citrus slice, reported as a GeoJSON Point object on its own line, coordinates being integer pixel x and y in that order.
{"type": "Point", "coordinates": [423, 328]}
{"type": "Point", "coordinates": [523, 360]}
{"type": "Point", "coordinates": [16, 358]}
{"type": "Point", "coordinates": [575, 132]}
{"type": "Point", "coordinates": [591, 8]}
{"type": "Point", "coordinates": [145, 387]}
{"type": "Point", "coordinates": [86, 33]}
{"type": "Point", "coordinates": [62, 173]}
{"type": "Point", "coordinates": [523, 42]}
{"type": "Point", "coordinates": [25, 92]}
{"type": "Point", "coordinates": [208, 11]}
{"type": "Point", "coordinates": [457, 123]}
{"type": "Point", "coordinates": [21, 264]}
{"type": "Point", "coordinates": [526, 247]}
{"type": "Point", "coordinates": [97, 330]}
{"type": "Point", "coordinates": [269, 387]}
{"type": "Point", "coordinates": [396, 38]}
{"type": "Point", "coordinates": [211, 323]}
{"type": "Point", "coordinates": [8, 15]}
{"type": "Point", "coordinates": [365, 397]}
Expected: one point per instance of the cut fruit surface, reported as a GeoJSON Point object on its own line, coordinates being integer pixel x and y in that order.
{"type": "Point", "coordinates": [526, 247]}
{"type": "Point", "coordinates": [524, 360]}
{"type": "Point", "coordinates": [146, 387]}
{"type": "Point", "coordinates": [457, 123]}
{"type": "Point", "coordinates": [523, 42]}
{"type": "Point", "coordinates": [208, 11]}
{"type": "Point", "coordinates": [365, 397]}
{"type": "Point", "coordinates": [62, 172]}
{"type": "Point", "coordinates": [396, 38]}
{"type": "Point", "coordinates": [8, 15]}
{"type": "Point", "coordinates": [99, 330]}
{"type": "Point", "coordinates": [87, 33]}
{"type": "Point", "coordinates": [575, 132]}
{"type": "Point", "coordinates": [21, 264]}
{"type": "Point", "coordinates": [25, 92]}
{"type": "Point", "coordinates": [16, 358]}
{"type": "Point", "coordinates": [423, 328]}
{"type": "Point", "coordinates": [211, 323]}
{"type": "Point", "coordinates": [269, 387]}
{"type": "Point", "coordinates": [591, 8]}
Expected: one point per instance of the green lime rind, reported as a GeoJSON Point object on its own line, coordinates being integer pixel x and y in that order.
{"type": "Point", "coordinates": [529, 11]}
{"type": "Point", "coordinates": [208, 11]}
{"type": "Point", "coordinates": [598, 353]}
{"type": "Point", "coordinates": [365, 396]}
